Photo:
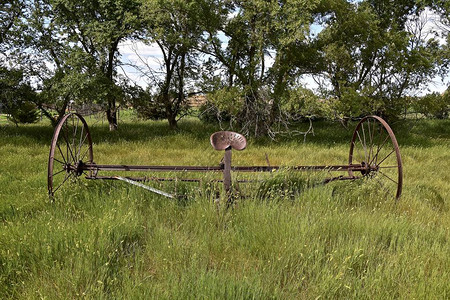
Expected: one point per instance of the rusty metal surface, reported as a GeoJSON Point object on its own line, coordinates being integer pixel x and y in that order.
{"type": "Point", "coordinates": [376, 143]}
{"type": "Point", "coordinates": [366, 157]}
{"type": "Point", "coordinates": [227, 174]}
{"type": "Point", "coordinates": [67, 151]}
{"type": "Point", "coordinates": [97, 167]}
{"type": "Point", "coordinates": [147, 179]}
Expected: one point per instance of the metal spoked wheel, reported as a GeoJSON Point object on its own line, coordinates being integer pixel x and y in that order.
{"type": "Point", "coordinates": [375, 147]}
{"type": "Point", "coordinates": [71, 147]}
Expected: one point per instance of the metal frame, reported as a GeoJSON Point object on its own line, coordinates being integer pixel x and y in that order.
{"type": "Point", "coordinates": [71, 150]}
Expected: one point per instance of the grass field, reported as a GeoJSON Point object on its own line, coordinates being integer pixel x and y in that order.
{"type": "Point", "coordinates": [109, 240]}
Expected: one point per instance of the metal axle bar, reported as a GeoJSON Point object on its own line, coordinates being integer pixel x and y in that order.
{"type": "Point", "coordinates": [146, 179]}
{"type": "Point", "coordinates": [96, 167]}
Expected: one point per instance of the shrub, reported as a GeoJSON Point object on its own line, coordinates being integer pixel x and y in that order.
{"type": "Point", "coordinates": [223, 105]}
{"type": "Point", "coordinates": [303, 103]}
{"type": "Point", "coordinates": [353, 103]}
{"type": "Point", "coordinates": [24, 112]}
{"type": "Point", "coordinates": [433, 105]}
{"type": "Point", "coordinates": [147, 106]}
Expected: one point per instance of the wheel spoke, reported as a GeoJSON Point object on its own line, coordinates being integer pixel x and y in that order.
{"type": "Point", "coordinates": [386, 157]}
{"type": "Point", "coordinates": [388, 167]}
{"type": "Point", "coordinates": [66, 137]}
{"type": "Point", "coordinates": [58, 172]}
{"type": "Point", "coordinates": [85, 153]}
{"type": "Point", "coordinates": [81, 145]}
{"type": "Point", "coordinates": [365, 144]}
{"type": "Point", "coordinates": [375, 157]}
{"type": "Point", "coordinates": [75, 129]}
{"type": "Point", "coordinates": [65, 179]}
{"type": "Point", "coordinates": [371, 134]}
{"type": "Point", "coordinates": [362, 145]}
{"type": "Point", "coordinates": [59, 161]}
{"type": "Point", "coordinates": [81, 142]}
{"type": "Point", "coordinates": [59, 148]}
{"type": "Point", "coordinates": [388, 177]}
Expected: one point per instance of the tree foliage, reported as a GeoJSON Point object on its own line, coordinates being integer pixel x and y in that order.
{"type": "Point", "coordinates": [258, 32]}
{"type": "Point", "coordinates": [374, 53]}
{"type": "Point", "coordinates": [249, 57]}
{"type": "Point", "coordinates": [176, 27]}
{"type": "Point", "coordinates": [16, 97]}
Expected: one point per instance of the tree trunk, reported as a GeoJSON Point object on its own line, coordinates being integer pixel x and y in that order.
{"type": "Point", "coordinates": [111, 115]}
{"type": "Point", "coordinates": [172, 118]}
{"type": "Point", "coordinates": [171, 115]}
{"type": "Point", "coordinates": [111, 112]}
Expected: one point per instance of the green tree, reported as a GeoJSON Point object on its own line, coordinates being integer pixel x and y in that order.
{"type": "Point", "coordinates": [17, 96]}
{"type": "Point", "coordinates": [257, 30]}
{"type": "Point", "coordinates": [96, 28]}
{"type": "Point", "coordinates": [176, 27]}
{"type": "Point", "coordinates": [49, 56]}
{"type": "Point", "coordinates": [376, 52]}
{"type": "Point", "coordinates": [10, 23]}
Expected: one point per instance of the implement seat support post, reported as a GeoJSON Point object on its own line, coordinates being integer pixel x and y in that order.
{"type": "Point", "coordinates": [227, 140]}
{"type": "Point", "coordinates": [227, 175]}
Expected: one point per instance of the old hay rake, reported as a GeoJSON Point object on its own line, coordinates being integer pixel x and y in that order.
{"type": "Point", "coordinates": [374, 154]}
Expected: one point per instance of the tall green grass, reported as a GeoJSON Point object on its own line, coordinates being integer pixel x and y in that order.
{"type": "Point", "coordinates": [288, 238]}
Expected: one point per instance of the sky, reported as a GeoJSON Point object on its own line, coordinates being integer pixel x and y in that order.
{"type": "Point", "coordinates": [150, 56]}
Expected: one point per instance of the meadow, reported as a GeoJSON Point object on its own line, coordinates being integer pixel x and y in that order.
{"type": "Point", "coordinates": [110, 240]}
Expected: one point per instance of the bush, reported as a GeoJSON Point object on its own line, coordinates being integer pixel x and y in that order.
{"type": "Point", "coordinates": [353, 103]}
{"type": "Point", "coordinates": [147, 106]}
{"type": "Point", "coordinates": [433, 105]}
{"type": "Point", "coordinates": [222, 105]}
{"type": "Point", "coordinates": [24, 113]}
{"type": "Point", "coordinates": [303, 103]}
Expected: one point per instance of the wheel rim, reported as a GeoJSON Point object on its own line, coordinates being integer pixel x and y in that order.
{"type": "Point", "coordinates": [71, 147]}
{"type": "Point", "coordinates": [375, 147]}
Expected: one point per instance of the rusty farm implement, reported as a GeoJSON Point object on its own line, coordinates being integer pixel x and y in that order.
{"type": "Point", "coordinates": [374, 154]}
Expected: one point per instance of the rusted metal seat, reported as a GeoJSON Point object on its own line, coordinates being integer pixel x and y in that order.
{"type": "Point", "coordinates": [221, 140]}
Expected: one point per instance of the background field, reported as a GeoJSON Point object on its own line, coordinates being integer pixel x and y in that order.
{"type": "Point", "coordinates": [111, 240]}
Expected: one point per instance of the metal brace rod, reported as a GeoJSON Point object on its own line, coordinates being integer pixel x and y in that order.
{"type": "Point", "coordinates": [159, 192]}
